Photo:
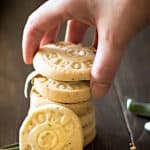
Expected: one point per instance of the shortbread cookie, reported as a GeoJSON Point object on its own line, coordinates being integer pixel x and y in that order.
{"type": "Point", "coordinates": [51, 127]}
{"type": "Point", "coordinates": [88, 117]}
{"type": "Point", "coordinates": [89, 138]}
{"type": "Point", "coordinates": [84, 111]}
{"type": "Point", "coordinates": [89, 128]}
{"type": "Point", "coordinates": [85, 119]}
{"type": "Point", "coordinates": [36, 100]}
{"type": "Point", "coordinates": [62, 92]}
{"type": "Point", "coordinates": [64, 61]}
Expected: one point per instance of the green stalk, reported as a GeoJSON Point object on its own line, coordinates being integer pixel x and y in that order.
{"type": "Point", "coordinates": [11, 147]}
{"type": "Point", "coordinates": [141, 109]}
{"type": "Point", "coordinates": [14, 148]}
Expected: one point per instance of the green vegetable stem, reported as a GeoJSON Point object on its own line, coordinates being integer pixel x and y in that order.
{"type": "Point", "coordinates": [141, 109]}
{"type": "Point", "coordinates": [11, 147]}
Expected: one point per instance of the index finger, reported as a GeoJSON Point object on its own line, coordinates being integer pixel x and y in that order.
{"type": "Point", "coordinates": [44, 19]}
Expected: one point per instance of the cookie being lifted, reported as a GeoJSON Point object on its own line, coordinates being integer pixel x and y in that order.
{"type": "Point", "coordinates": [64, 61]}
{"type": "Point", "coordinates": [51, 127]}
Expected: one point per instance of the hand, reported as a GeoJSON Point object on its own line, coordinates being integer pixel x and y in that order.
{"type": "Point", "coordinates": [116, 21]}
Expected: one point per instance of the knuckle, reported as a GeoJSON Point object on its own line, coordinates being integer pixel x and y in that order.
{"type": "Point", "coordinates": [32, 27]}
{"type": "Point", "coordinates": [30, 19]}
{"type": "Point", "coordinates": [105, 73]}
{"type": "Point", "coordinates": [100, 88]}
{"type": "Point", "coordinates": [102, 84]}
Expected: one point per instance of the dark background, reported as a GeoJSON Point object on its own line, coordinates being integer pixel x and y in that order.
{"type": "Point", "coordinates": [132, 79]}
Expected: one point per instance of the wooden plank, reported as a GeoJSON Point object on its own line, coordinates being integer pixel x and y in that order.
{"type": "Point", "coordinates": [111, 128]}
{"type": "Point", "coordinates": [133, 80]}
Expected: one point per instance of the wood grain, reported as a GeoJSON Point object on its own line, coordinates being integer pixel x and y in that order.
{"type": "Point", "coordinates": [111, 129]}
{"type": "Point", "coordinates": [133, 80]}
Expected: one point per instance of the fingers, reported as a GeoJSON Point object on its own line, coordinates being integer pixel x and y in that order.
{"type": "Point", "coordinates": [50, 36]}
{"type": "Point", "coordinates": [43, 20]}
{"type": "Point", "coordinates": [75, 31]}
{"type": "Point", "coordinates": [107, 60]}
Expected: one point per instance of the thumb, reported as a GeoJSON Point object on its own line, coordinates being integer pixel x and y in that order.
{"type": "Point", "coordinates": [107, 60]}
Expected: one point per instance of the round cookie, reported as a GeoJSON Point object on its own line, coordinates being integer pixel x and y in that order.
{"type": "Point", "coordinates": [62, 92]}
{"type": "Point", "coordinates": [89, 138]}
{"type": "Point", "coordinates": [51, 127]}
{"type": "Point", "coordinates": [84, 111]}
{"type": "Point", "coordinates": [64, 61]}
{"type": "Point", "coordinates": [85, 119]}
{"type": "Point", "coordinates": [36, 100]}
{"type": "Point", "coordinates": [87, 116]}
{"type": "Point", "coordinates": [89, 128]}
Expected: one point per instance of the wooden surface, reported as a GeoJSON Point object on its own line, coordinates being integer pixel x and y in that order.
{"type": "Point", "coordinates": [133, 79]}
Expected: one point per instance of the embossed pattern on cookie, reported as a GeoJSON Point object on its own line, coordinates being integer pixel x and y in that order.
{"type": "Point", "coordinates": [64, 61]}
{"type": "Point", "coordinates": [53, 127]}
{"type": "Point", "coordinates": [63, 92]}
{"type": "Point", "coordinates": [36, 100]}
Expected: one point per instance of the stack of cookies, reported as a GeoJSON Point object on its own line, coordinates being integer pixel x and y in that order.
{"type": "Point", "coordinates": [61, 116]}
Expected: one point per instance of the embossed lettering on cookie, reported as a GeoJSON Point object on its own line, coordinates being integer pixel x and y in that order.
{"type": "Point", "coordinates": [64, 61]}
{"type": "Point", "coordinates": [51, 127]}
{"type": "Point", "coordinates": [61, 91]}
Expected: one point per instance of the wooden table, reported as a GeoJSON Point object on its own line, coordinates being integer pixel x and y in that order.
{"type": "Point", "coordinates": [132, 79]}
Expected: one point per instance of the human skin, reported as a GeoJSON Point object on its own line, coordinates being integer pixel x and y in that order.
{"type": "Point", "coordinates": [116, 22]}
